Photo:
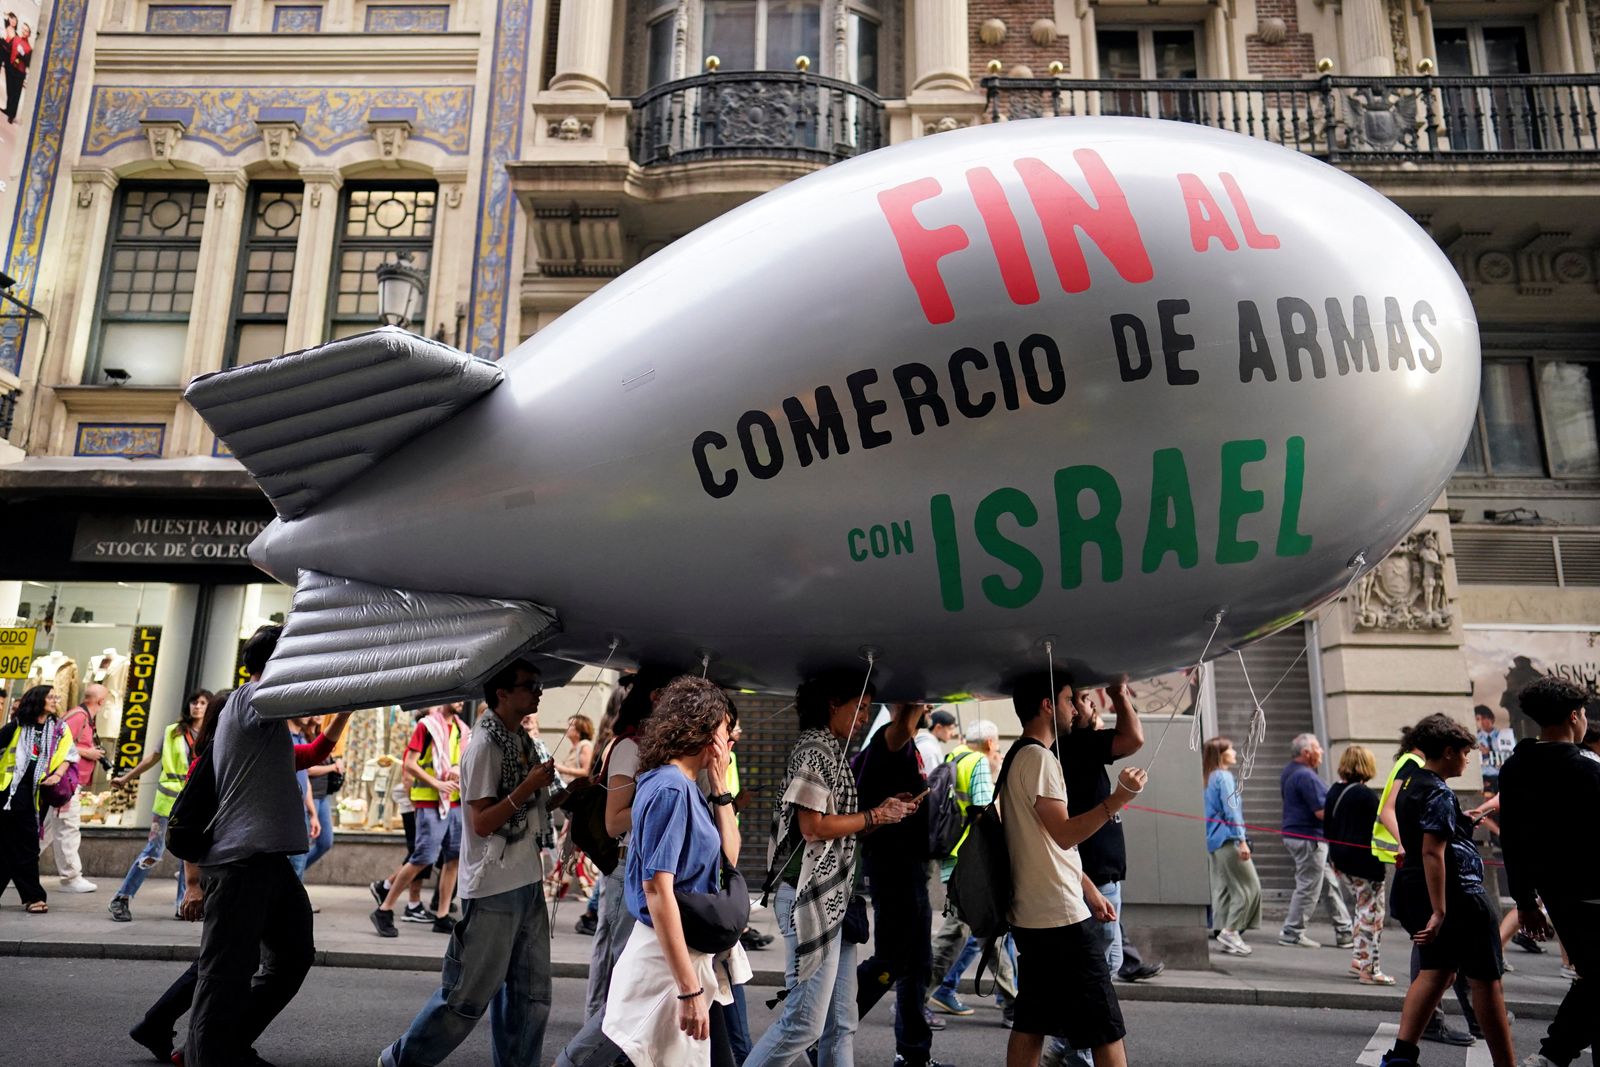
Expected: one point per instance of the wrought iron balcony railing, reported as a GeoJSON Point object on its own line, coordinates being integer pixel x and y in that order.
{"type": "Point", "coordinates": [1514, 118]}
{"type": "Point", "coordinates": [756, 114]}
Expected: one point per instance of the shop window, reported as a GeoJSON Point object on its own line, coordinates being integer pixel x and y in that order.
{"type": "Point", "coordinates": [265, 276]}
{"type": "Point", "coordinates": [376, 224]}
{"type": "Point", "coordinates": [1145, 53]}
{"type": "Point", "coordinates": [147, 284]}
{"type": "Point", "coordinates": [1536, 418]}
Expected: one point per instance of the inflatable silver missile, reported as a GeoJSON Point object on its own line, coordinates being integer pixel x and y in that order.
{"type": "Point", "coordinates": [1087, 382]}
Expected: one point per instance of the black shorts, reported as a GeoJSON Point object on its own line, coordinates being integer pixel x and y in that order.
{"type": "Point", "coordinates": [1469, 941]}
{"type": "Point", "coordinates": [1064, 986]}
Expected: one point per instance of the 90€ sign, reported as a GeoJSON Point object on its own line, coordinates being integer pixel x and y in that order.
{"type": "Point", "coordinates": [16, 651]}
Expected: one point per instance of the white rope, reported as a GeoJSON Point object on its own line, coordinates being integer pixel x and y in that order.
{"type": "Point", "coordinates": [705, 665]}
{"type": "Point", "coordinates": [1197, 728]}
{"type": "Point", "coordinates": [844, 751]}
{"type": "Point", "coordinates": [586, 693]}
{"type": "Point", "coordinates": [1055, 718]}
{"type": "Point", "coordinates": [1216, 624]}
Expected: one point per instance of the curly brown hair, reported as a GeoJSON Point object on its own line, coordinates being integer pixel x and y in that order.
{"type": "Point", "coordinates": [684, 721]}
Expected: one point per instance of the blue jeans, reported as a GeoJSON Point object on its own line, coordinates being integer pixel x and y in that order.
{"type": "Point", "coordinates": [1057, 1051]}
{"type": "Point", "coordinates": [298, 862]}
{"type": "Point", "coordinates": [823, 1006]}
{"type": "Point", "coordinates": [498, 961]}
{"type": "Point", "coordinates": [737, 1020]}
{"type": "Point", "coordinates": [155, 846]}
{"type": "Point", "coordinates": [323, 841]}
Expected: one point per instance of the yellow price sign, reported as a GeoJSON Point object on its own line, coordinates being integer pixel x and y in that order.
{"type": "Point", "coordinates": [16, 650]}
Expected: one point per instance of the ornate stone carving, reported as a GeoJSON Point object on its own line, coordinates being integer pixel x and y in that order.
{"type": "Point", "coordinates": [85, 194]}
{"type": "Point", "coordinates": [163, 136]}
{"type": "Point", "coordinates": [452, 195]}
{"type": "Point", "coordinates": [277, 137]}
{"type": "Point", "coordinates": [1539, 267]}
{"type": "Point", "coordinates": [571, 128]}
{"type": "Point", "coordinates": [1381, 119]}
{"type": "Point", "coordinates": [219, 196]}
{"type": "Point", "coordinates": [992, 32]}
{"type": "Point", "coordinates": [759, 114]}
{"type": "Point", "coordinates": [943, 125]}
{"type": "Point", "coordinates": [1272, 30]}
{"type": "Point", "coordinates": [1406, 591]}
{"type": "Point", "coordinates": [390, 135]}
{"type": "Point", "coordinates": [1399, 37]}
{"type": "Point", "coordinates": [1043, 32]}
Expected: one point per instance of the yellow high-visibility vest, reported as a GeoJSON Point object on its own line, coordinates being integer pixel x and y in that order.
{"type": "Point", "coordinates": [1384, 846]}
{"type": "Point", "coordinates": [420, 790]}
{"type": "Point", "coordinates": [174, 769]}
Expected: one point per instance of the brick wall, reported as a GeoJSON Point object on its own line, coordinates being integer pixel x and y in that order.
{"type": "Point", "coordinates": [1291, 57]}
{"type": "Point", "coordinates": [1018, 47]}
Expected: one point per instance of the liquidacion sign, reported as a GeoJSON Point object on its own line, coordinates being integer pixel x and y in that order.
{"type": "Point", "coordinates": [164, 539]}
{"type": "Point", "coordinates": [136, 701]}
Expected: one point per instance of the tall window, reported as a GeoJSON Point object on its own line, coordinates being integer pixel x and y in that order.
{"type": "Point", "coordinates": [1504, 117]}
{"type": "Point", "coordinates": [376, 223]}
{"type": "Point", "coordinates": [761, 34]}
{"type": "Point", "coordinates": [265, 277]}
{"type": "Point", "coordinates": [1536, 418]}
{"type": "Point", "coordinates": [661, 34]}
{"type": "Point", "coordinates": [147, 286]}
{"type": "Point", "coordinates": [1143, 53]}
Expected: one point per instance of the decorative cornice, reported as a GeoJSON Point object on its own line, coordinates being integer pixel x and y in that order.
{"type": "Point", "coordinates": [267, 55]}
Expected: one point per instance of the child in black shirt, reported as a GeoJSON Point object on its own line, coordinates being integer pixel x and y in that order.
{"type": "Point", "coordinates": [1438, 896]}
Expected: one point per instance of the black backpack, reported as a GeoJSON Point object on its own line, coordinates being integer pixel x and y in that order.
{"type": "Point", "coordinates": [980, 886]}
{"type": "Point", "coordinates": [194, 812]}
{"type": "Point", "coordinates": [946, 821]}
{"type": "Point", "coordinates": [586, 811]}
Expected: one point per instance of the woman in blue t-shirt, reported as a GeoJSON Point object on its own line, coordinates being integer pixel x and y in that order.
{"type": "Point", "coordinates": [1235, 886]}
{"type": "Point", "coordinates": [658, 1009]}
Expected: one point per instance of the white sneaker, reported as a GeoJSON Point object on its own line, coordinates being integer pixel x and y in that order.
{"type": "Point", "coordinates": [79, 884]}
{"type": "Point", "coordinates": [1233, 944]}
{"type": "Point", "coordinates": [1297, 939]}
{"type": "Point", "coordinates": [1569, 972]}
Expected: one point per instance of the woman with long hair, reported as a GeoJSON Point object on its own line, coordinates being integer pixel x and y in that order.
{"type": "Point", "coordinates": [1352, 808]}
{"type": "Point", "coordinates": [17, 62]}
{"type": "Point", "coordinates": [321, 798]}
{"type": "Point", "coordinates": [658, 1010]}
{"type": "Point", "coordinates": [580, 742]}
{"type": "Point", "coordinates": [176, 752]}
{"type": "Point", "coordinates": [1235, 886]}
{"type": "Point", "coordinates": [34, 751]}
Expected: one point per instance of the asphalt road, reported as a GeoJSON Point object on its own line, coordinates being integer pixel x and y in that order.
{"type": "Point", "coordinates": [70, 1011]}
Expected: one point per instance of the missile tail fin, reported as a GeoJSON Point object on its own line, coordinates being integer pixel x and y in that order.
{"type": "Point", "coordinates": [307, 423]}
{"type": "Point", "coordinates": [350, 645]}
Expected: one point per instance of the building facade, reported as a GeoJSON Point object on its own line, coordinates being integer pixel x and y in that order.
{"type": "Point", "coordinates": [208, 184]}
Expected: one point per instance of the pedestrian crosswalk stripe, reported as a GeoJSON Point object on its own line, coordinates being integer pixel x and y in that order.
{"type": "Point", "coordinates": [1382, 1039]}
{"type": "Point", "coordinates": [1479, 1056]}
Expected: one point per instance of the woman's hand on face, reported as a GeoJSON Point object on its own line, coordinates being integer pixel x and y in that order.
{"type": "Point", "coordinates": [719, 764]}
{"type": "Point", "coordinates": [694, 1017]}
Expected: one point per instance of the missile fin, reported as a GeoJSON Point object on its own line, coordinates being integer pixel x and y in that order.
{"type": "Point", "coordinates": [307, 423]}
{"type": "Point", "coordinates": [350, 645]}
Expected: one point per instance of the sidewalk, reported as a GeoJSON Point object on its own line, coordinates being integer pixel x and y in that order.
{"type": "Point", "coordinates": [78, 927]}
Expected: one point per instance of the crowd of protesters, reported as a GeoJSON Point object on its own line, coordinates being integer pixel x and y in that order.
{"type": "Point", "coordinates": [855, 867]}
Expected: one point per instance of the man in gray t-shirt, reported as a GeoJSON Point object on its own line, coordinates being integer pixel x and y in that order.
{"type": "Point", "coordinates": [256, 911]}
{"type": "Point", "coordinates": [499, 956]}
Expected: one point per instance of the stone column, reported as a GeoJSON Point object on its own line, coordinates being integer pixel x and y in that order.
{"type": "Point", "coordinates": [1364, 39]}
{"type": "Point", "coordinates": [213, 297]}
{"type": "Point", "coordinates": [940, 39]}
{"type": "Point", "coordinates": [313, 259]}
{"type": "Point", "coordinates": [583, 47]}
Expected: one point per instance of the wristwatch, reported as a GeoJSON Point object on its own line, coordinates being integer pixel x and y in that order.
{"type": "Point", "coordinates": [722, 799]}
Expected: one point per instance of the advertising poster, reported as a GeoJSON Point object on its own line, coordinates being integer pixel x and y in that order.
{"type": "Point", "coordinates": [1502, 661]}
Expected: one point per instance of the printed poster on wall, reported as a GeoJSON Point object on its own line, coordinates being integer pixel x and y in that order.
{"type": "Point", "coordinates": [1501, 661]}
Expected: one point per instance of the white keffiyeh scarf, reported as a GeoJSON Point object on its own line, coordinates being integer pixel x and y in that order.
{"type": "Point", "coordinates": [819, 779]}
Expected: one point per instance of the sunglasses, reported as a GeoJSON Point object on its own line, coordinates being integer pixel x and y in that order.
{"type": "Point", "coordinates": [532, 687]}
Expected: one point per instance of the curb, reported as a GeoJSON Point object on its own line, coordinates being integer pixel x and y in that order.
{"type": "Point", "coordinates": [1146, 992]}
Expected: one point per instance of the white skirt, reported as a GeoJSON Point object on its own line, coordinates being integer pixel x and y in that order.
{"type": "Point", "coordinates": [642, 1008]}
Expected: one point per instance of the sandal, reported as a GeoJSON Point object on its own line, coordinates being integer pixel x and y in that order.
{"type": "Point", "coordinates": [1374, 978]}
{"type": "Point", "coordinates": [37, 907]}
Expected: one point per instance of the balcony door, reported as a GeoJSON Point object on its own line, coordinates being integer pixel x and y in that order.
{"type": "Point", "coordinates": [1146, 53]}
{"type": "Point", "coordinates": [1490, 118]}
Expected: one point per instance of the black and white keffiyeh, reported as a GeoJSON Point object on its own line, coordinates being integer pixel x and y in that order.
{"type": "Point", "coordinates": [817, 778]}
{"type": "Point", "coordinates": [518, 754]}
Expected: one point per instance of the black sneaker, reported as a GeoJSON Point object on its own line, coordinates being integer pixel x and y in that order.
{"type": "Point", "coordinates": [380, 892]}
{"type": "Point", "coordinates": [383, 922]}
{"type": "Point", "coordinates": [754, 939]}
{"type": "Point", "coordinates": [1526, 943]}
{"type": "Point", "coordinates": [416, 913]}
{"type": "Point", "coordinates": [586, 924]}
{"type": "Point", "coordinates": [443, 924]}
{"type": "Point", "coordinates": [1141, 973]}
{"type": "Point", "coordinates": [1443, 1033]}
{"type": "Point", "coordinates": [159, 1042]}
{"type": "Point", "coordinates": [119, 910]}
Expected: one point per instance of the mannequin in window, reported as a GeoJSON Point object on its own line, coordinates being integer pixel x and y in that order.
{"type": "Point", "coordinates": [109, 668]}
{"type": "Point", "coordinates": [59, 671]}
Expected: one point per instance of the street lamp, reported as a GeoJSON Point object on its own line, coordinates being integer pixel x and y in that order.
{"type": "Point", "coordinates": [400, 288]}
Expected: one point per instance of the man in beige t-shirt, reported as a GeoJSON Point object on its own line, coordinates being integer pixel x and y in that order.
{"type": "Point", "coordinates": [1063, 983]}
